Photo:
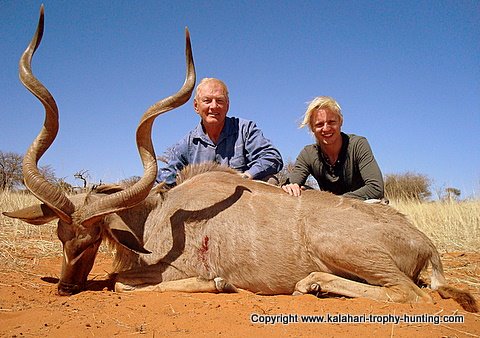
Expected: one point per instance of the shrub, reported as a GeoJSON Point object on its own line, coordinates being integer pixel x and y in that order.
{"type": "Point", "coordinates": [407, 186]}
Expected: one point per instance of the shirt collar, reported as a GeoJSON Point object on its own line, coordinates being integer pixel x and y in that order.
{"type": "Point", "coordinates": [228, 129]}
{"type": "Point", "coordinates": [343, 151]}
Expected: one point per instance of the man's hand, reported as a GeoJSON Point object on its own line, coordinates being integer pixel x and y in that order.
{"type": "Point", "coordinates": [247, 175]}
{"type": "Point", "coordinates": [292, 189]}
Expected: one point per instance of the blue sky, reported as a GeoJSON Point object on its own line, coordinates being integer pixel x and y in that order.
{"type": "Point", "coordinates": [406, 73]}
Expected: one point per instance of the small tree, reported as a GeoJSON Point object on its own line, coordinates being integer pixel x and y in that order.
{"type": "Point", "coordinates": [407, 186]}
{"type": "Point", "coordinates": [11, 175]}
{"type": "Point", "coordinates": [49, 173]}
{"type": "Point", "coordinates": [82, 175]}
{"type": "Point", "coordinates": [452, 194]}
{"type": "Point", "coordinates": [282, 175]}
{"type": "Point", "coordinates": [288, 167]}
{"type": "Point", "coordinates": [65, 186]}
{"type": "Point", "coordinates": [127, 182]}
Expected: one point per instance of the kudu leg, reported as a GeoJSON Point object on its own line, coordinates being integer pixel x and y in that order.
{"type": "Point", "coordinates": [192, 284]}
{"type": "Point", "coordinates": [404, 291]}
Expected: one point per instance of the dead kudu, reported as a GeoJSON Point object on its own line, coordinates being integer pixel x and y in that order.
{"type": "Point", "coordinates": [215, 231]}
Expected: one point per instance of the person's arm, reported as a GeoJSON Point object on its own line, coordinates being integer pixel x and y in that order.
{"type": "Point", "coordinates": [177, 158]}
{"type": "Point", "coordinates": [263, 158]}
{"type": "Point", "coordinates": [298, 176]}
{"type": "Point", "coordinates": [369, 171]}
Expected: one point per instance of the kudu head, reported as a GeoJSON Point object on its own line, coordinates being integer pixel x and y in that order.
{"type": "Point", "coordinates": [82, 223]}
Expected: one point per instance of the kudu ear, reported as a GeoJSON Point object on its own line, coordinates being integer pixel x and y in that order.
{"type": "Point", "coordinates": [36, 214]}
{"type": "Point", "coordinates": [120, 232]}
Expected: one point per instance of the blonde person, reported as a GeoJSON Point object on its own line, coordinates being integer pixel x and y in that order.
{"type": "Point", "coordinates": [340, 163]}
{"type": "Point", "coordinates": [230, 141]}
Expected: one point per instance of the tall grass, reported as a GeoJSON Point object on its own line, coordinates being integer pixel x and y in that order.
{"type": "Point", "coordinates": [451, 225]}
{"type": "Point", "coordinates": [22, 243]}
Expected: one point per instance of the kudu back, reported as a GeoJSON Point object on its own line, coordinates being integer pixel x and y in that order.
{"type": "Point", "coordinates": [216, 231]}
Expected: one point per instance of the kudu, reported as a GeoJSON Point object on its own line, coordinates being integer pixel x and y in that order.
{"type": "Point", "coordinates": [216, 231]}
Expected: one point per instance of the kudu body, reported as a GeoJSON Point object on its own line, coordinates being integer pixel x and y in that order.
{"type": "Point", "coordinates": [216, 231]}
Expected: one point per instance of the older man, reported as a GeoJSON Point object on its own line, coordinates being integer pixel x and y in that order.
{"type": "Point", "coordinates": [231, 141]}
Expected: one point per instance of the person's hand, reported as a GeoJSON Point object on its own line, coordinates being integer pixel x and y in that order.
{"type": "Point", "coordinates": [292, 189]}
{"type": "Point", "coordinates": [247, 175]}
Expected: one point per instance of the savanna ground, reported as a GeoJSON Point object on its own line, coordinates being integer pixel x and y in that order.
{"type": "Point", "coordinates": [29, 306]}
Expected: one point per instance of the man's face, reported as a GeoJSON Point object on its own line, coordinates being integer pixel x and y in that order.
{"type": "Point", "coordinates": [326, 125]}
{"type": "Point", "coordinates": [211, 103]}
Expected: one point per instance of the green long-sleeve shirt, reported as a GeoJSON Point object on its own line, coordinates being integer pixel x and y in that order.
{"type": "Point", "coordinates": [355, 174]}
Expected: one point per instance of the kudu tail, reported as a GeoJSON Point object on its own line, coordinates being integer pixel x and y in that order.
{"type": "Point", "coordinates": [439, 283]}
{"type": "Point", "coordinates": [464, 298]}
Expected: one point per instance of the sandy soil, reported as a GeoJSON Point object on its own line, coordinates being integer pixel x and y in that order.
{"type": "Point", "coordinates": [30, 307]}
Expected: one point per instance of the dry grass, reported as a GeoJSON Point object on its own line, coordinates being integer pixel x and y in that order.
{"type": "Point", "coordinates": [22, 244]}
{"type": "Point", "coordinates": [452, 226]}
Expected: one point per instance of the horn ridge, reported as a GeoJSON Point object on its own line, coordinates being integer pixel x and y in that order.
{"type": "Point", "coordinates": [48, 193]}
{"type": "Point", "coordinates": [140, 190]}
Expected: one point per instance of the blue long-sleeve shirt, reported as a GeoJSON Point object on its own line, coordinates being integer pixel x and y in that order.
{"type": "Point", "coordinates": [241, 146]}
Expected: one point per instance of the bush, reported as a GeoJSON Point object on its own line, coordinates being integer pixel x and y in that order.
{"type": "Point", "coordinates": [407, 186]}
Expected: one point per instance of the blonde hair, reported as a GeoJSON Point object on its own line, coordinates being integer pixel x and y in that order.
{"type": "Point", "coordinates": [320, 102]}
{"type": "Point", "coordinates": [211, 79]}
